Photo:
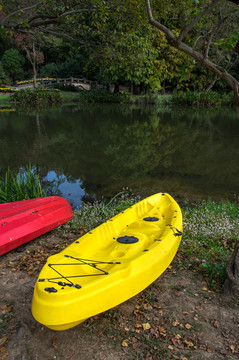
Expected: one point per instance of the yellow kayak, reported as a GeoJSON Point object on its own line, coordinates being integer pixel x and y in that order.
{"type": "Point", "coordinates": [109, 264]}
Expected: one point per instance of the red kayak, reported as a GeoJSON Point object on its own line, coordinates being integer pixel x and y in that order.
{"type": "Point", "coordinates": [25, 220]}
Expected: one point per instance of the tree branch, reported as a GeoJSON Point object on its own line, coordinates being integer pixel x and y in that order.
{"type": "Point", "coordinates": [213, 32]}
{"type": "Point", "coordinates": [19, 10]}
{"type": "Point", "coordinates": [173, 41]}
{"type": "Point", "coordinates": [195, 21]}
{"type": "Point", "coordinates": [158, 25]}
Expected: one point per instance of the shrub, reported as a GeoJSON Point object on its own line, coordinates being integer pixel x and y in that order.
{"type": "Point", "coordinates": [38, 96]}
{"type": "Point", "coordinates": [207, 98]}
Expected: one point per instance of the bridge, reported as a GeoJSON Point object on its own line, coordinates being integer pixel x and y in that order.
{"type": "Point", "coordinates": [81, 83]}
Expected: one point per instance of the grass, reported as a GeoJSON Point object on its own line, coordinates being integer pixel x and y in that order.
{"type": "Point", "coordinates": [23, 185]}
{"type": "Point", "coordinates": [91, 215]}
{"type": "Point", "coordinates": [5, 98]}
{"type": "Point", "coordinates": [211, 231]}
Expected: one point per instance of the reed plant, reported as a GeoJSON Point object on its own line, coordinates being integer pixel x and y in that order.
{"type": "Point", "coordinates": [22, 185]}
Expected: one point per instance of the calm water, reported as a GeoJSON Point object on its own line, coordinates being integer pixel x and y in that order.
{"type": "Point", "coordinates": [99, 149]}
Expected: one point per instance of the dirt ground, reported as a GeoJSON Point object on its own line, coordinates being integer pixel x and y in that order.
{"type": "Point", "coordinates": [177, 317]}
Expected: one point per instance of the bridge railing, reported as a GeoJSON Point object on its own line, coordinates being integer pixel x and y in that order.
{"type": "Point", "coordinates": [47, 82]}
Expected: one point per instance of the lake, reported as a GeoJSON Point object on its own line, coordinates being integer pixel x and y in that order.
{"type": "Point", "coordinates": [99, 149]}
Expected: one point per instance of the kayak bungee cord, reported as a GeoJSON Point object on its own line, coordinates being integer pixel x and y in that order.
{"type": "Point", "coordinates": [91, 263]}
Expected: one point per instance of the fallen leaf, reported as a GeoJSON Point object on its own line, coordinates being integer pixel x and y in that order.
{"type": "Point", "coordinates": [216, 324]}
{"type": "Point", "coordinates": [175, 323]}
{"type": "Point", "coordinates": [124, 343]}
{"type": "Point", "coordinates": [204, 289]}
{"type": "Point", "coordinates": [176, 342]}
{"type": "Point", "coordinates": [188, 343]}
{"type": "Point", "coordinates": [137, 326]}
{"type": "Point", "coordinates": [3, 340]}
{"type": "Point", "coordinates": [3, 307]}
{"type": "Point", "coordinates": [170, 347]}
{"type": "Point", "coordinates": [232, 347]}
{"type": "Point", "coordinates": [188, 326]}
{"type": "Point", "coordinates": [146, 326]}
{"type": "Point", "coordinates": [161, 329]}
{"type": "Point", "coordinates": [185, 312]}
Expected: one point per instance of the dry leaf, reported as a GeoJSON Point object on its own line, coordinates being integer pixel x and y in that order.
{"type": "Point", "coordinates": [124, 343]}
{"type": "Point", "coordinates": [232, 347]}
{"type": "Point", "coordinates": [146, 326]}
{"type": "Point", "coordinates": [170, 347]}
{"type": "Point", "coordinates": [175, 323]}
{"type": "Point", "coordinates": [3, 307]}
{"type": "Point", "coordinates": [178, 336]}
{"type": "Point", "coordinates": [188, 326]}
{"type": "Point", "coordinates": [188, 343]}
{"type": "Point", "coordinates": [216, 324]}
{"type": "Point", "coordinates": [3, 340]}
{"type": "Point", "coordinates": [176, 342]}
{"type": "Point", "coordinates": [204, 289]}
{"type": "Point", "coordinates": [185, 312]}
{"type": "Point", "coordinates": [161, 329]}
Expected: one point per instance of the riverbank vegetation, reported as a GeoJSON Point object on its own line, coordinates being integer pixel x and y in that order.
{"type": "Point", "coordinates": [37, 96]}
{"type": "Point", "coordinates": [23, 185]}
{"type": "Point", "coordinates": [116, 46]}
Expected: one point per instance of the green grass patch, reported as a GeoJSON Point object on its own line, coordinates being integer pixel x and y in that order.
{"type": "Point", "coordinates": [210, 232]}
{"type": "Point", "coordinates": [5, 98]}
{"type": "Point", "coordinates": [91, 215]}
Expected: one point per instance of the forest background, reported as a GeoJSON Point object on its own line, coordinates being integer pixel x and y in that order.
{"type": "Point", "coordinates": [192, 45]}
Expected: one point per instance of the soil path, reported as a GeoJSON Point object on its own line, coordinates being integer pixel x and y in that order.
{"type": "Point", "coordinates": [177, 317]}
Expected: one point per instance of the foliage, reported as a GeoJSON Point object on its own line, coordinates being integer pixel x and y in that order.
{"type": "Point", "coordinates": [13, 64]}
{"type": "Point", "coordinates": [21, 186]}
{"type": "Point", "coordinates": [37, 96]}
{"type": "Point", "coordinates": [25, 184]}
{"type": "Point", "coordinates": [4, 79]}
{"type": "Point", "coordinates": [206, 98]}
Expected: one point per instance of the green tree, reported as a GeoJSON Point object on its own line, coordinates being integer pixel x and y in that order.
{"type": "Point", "coordinates": [13, 64]}
{"type": "Point", "coordinates": [3, 77]}
{"type": "Point", "coordinates": [192, 29]}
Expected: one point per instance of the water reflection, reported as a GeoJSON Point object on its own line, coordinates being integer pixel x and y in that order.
{"type": "Point", "coordinates": [99, 149]}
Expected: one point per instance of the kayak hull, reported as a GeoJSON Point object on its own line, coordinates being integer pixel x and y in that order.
{"type": "Point", "coordinates": [108, 265]}
{"type": "Point", "coordinates": [25, 220]}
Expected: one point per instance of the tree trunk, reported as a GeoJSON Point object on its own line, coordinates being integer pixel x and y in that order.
{"type": "Point", "coordinates": [231, 285]}
{"type": "Point", "coordinates": [34, 65]}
